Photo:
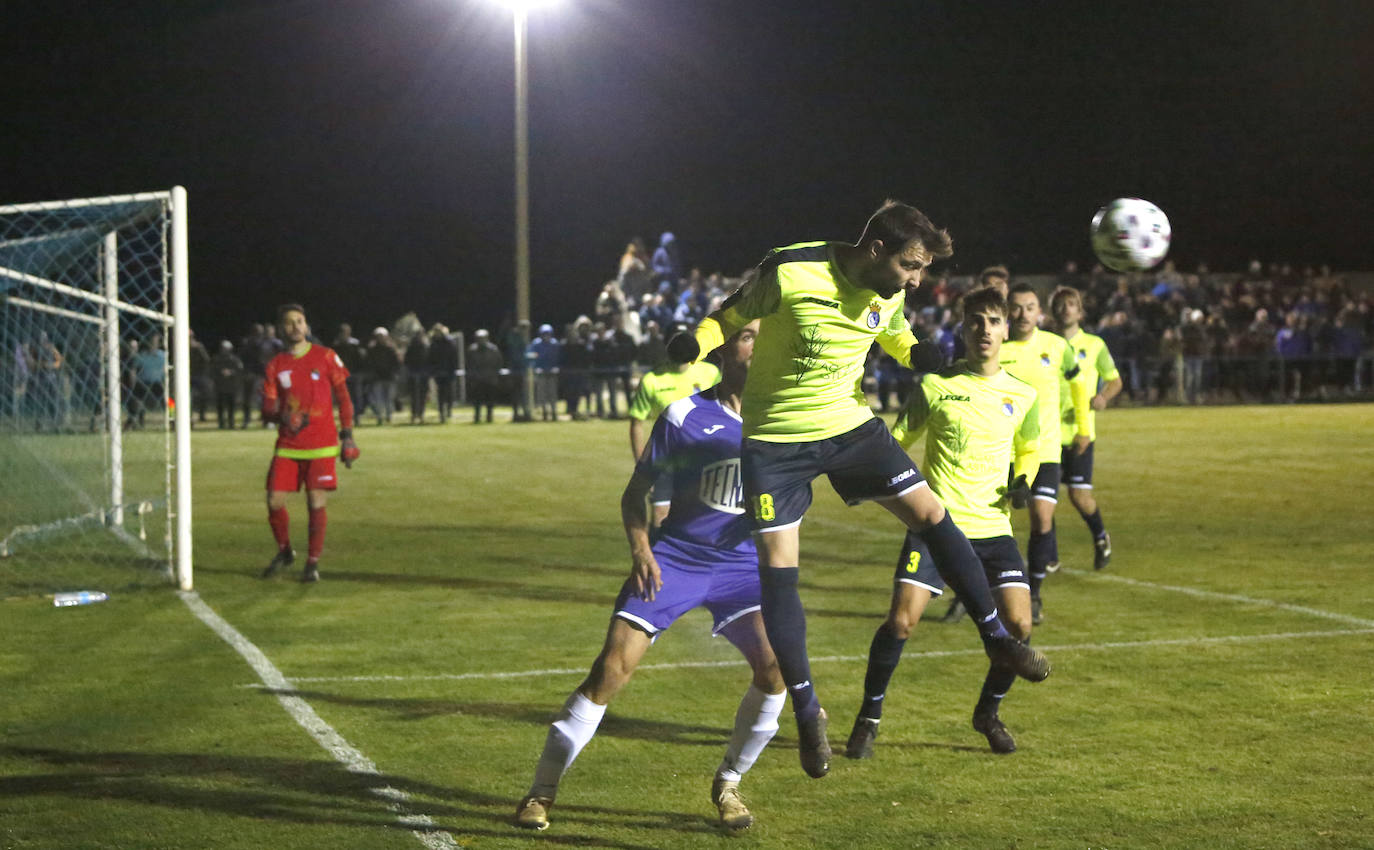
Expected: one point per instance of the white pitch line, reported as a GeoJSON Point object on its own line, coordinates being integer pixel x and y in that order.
{"type": "Point", "coordinates": [421, 826]}
{"type": "Point", "coordinates": [1227, 597]}
{"type": "Point", "coordinates": [1367, 627]}
{"type": "Point", "coordinates": [934, 653]}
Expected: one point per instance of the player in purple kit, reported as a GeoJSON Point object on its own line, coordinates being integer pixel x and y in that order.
{"type": "Point", "coordinates": [703, 556]}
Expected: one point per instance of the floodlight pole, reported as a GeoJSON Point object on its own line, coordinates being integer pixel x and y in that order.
{"type": "Point", "coordinates": [522, 196]}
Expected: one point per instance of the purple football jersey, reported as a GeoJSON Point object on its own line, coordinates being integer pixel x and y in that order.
{"type": "Point", "coordinates": [697, 440]}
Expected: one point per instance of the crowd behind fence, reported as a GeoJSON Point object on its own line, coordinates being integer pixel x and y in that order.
{"type": "Point", "coordinates": [1264, 335]}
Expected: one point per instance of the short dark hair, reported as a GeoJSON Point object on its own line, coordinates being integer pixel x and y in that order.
{"type": "Point", "coordinates": [896, 224]}
{"type": "Point", "coordinates": [984, 299]}
{"type": "Point", "coordinates": [289, 308]}
{"type": "Point", "coordinates": [1021, 287]}
{"type": "Point", "coordinates": [993, 271]}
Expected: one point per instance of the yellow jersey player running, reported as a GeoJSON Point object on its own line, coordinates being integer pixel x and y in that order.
{"type": "Point", "coordinates": [976, 418]}
{"type": "Point", "coordinates": [821, 306]}
{"type": "Point", "coordinates": [1097, 372]}
{"type": "Point", "coordinates": [1044, 360]}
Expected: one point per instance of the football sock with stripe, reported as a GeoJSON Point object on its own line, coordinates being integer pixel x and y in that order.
{"type": "Point", "coordinates": [995, 686]}
{"type": "Point", "coordinates": [756, 722]}
{"type": "Point", "coordinates": [1095, 524]}
{"type": "Point", "coordinates": [785, 621]}
{"type": "Point", "coordinates": [570, 732]}
{"type": "Point", "coordinates": [1038, 554]}
{"type": "Point", "coordinates": [883, 655]}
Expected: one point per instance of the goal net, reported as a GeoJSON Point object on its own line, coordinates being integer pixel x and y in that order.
{"type": "Point", "coordinates": [94, 458]}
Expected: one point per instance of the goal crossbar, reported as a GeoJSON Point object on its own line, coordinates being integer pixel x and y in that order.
{"type": "Point", "coordinates": [93, 297]}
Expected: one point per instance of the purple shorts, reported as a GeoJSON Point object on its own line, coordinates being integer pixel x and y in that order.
{"type": "Point", "coordinates": [693, 575]}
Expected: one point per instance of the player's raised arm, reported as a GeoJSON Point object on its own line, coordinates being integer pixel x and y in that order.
{"type": "Point", "coordinates": [757, 297]}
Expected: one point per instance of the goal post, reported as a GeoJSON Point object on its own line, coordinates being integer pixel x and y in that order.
{"type": "Point", "coordinates": [95, 393]}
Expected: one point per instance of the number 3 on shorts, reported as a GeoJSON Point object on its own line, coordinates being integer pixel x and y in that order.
{"type": "Point", "coordinates": [765, 508]}
{"type": "Point", "coordinates": [913, 563]}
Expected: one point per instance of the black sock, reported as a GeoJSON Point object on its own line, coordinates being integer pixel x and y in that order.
{"type": "Point", "coordinates": [1095, 524]}
{"type": "Point", "coordinates": [1037, 557]}
{"type": "Point", "coordinates": [883, 655]}
{"type": "Point", "coordinates": [785, 622]}
{"type": "Point", "coordinates": [960, 567]}
{"type": "Point", "coordinates": [995, 686]}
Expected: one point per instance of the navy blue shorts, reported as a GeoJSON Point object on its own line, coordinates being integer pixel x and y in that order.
{"type": "Point", "coordinates": [862, 464]}
{"type": "Point", "coordinates": [1046, 484]}
{"type": "Point", "coordinates": [1001, 560]}
{"type": "Point", "coordinates": [915, 566]}
{"type": "Point", "coordinates": [726, 583]}
{"type": "Point", "coordinates": [1077, 469]}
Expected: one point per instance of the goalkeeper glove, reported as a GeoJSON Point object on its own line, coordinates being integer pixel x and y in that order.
{"type": "Point", "coordinates": [926, 356]}
{"type": "Point", "coordinates": [1018, 492]}
{"type": "Point", "coordinates": [348, 450]}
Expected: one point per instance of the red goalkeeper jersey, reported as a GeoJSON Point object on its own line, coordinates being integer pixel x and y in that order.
{"type": "Point", "coordinates": [308, 383]}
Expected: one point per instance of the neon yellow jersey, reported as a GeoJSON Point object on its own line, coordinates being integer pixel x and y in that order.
{"type": "Point", "coordinates": [805, 381]}
{"type": "Point", "coordinates": [1095, 364]}
{"type": "Point", "coordinates": [665, 385]}
{"type": "Point", "coordinates": [973, 424]}
{"type": "Point", "coordinates": [1042, 361]}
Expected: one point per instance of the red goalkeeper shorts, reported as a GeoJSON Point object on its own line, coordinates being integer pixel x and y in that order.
{"type": "Point", "coordinates": [288, 474]}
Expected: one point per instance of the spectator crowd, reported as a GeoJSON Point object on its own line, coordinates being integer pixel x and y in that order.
{"type": "Point", "coordinates": [1269, 333]}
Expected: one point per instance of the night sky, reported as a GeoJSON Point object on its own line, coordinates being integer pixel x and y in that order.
{"type": "Point", "coordinates": [358, 157]}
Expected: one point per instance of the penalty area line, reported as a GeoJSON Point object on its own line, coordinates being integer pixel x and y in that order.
{"type": "Point", "coordinates": [353, 760]}
{"type": "Point", "coordinates": [1224, 597]}
{"type": "Point", "coordinates": [933, 653]}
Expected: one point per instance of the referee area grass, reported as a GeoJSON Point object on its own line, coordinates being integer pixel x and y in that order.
{"type": "Point", "coordinates": [1211, 688]}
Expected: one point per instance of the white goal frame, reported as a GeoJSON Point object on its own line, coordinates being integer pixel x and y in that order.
{"type": "Point", "coordinates": [179, 508]}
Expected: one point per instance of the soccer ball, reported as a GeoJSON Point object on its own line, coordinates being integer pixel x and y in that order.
{"type": "Point", "coordinates": [1131, 235]}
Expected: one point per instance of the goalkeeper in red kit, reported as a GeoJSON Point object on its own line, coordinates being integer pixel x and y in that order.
{"type": "Point", "coordinates": [301, 386]}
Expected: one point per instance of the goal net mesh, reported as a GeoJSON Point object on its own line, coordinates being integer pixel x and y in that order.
{"type": "Point", "coordinates": [86, 439]}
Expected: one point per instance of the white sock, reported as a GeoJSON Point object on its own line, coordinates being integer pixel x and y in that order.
{"type": "Point", "coordinates": [756, 722]}
{"type": "Point", "coordinates": [570, 732]}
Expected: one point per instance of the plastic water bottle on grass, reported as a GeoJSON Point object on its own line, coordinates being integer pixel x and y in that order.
{"type": "Point", "coordinates": [79, 597]}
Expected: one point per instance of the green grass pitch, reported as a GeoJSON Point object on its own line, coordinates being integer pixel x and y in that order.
{"type": "Point", "coordinates": [1212, 688]}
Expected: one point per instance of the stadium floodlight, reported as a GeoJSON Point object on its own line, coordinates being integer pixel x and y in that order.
{"type": "Point", "coordinates": [520, 10]}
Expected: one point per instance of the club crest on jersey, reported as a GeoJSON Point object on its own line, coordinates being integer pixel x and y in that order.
{"type": "Point", "coordinates": [314, 374]}
{"type": "Point", "coordinates": [1082, 354]}
{"type": "Point", "coordinates": [875, 315]}
{"type": "Point", "coordinates": [1008, 408]}
{"type": "Point", "coordinates": [1044, 358]}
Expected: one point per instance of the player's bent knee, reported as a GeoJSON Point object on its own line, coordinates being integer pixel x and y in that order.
{"type": "Point", "coordinates": [767, 676]}
{"type": "Point", "coordinates": [920, 509]}
{"type": "Point", "coordinates": [900, 627]}
{"type": "Point", "coordinates": [1019, 626]}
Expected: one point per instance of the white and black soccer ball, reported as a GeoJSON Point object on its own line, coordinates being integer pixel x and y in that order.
{"type": "Point", "coordinates": [1131, 235]}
